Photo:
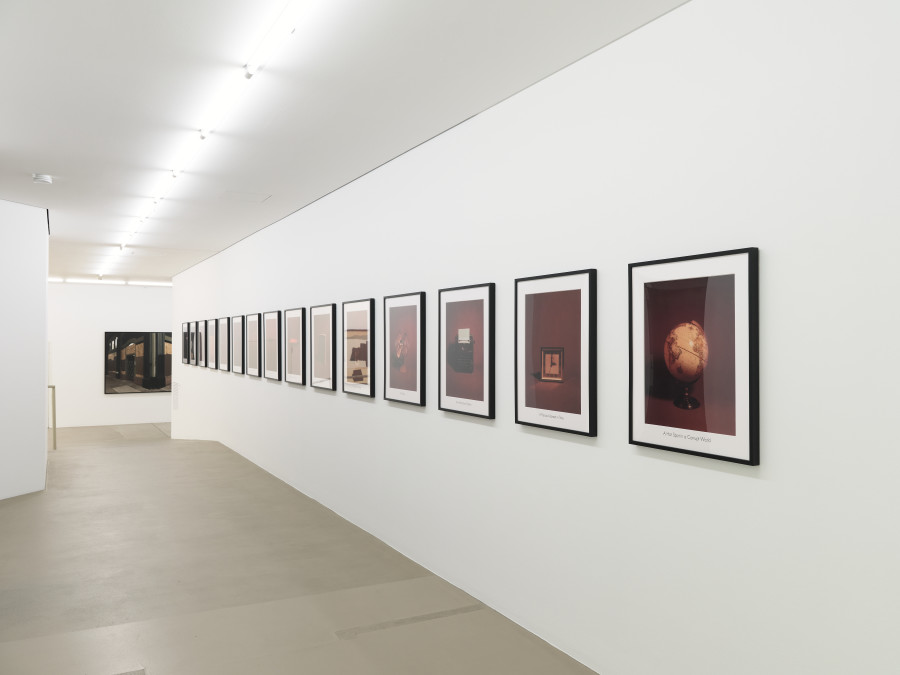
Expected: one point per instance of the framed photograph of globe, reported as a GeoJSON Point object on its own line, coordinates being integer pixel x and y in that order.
{"type": "Point", "coordinates": [556, 352]}
{"type": "Point", "coordinates": [694, 355]}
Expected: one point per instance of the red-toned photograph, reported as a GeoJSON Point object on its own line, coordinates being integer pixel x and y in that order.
{"type": "Point", "coordinates": [464, 341]}
{"type": "Point", "coordinates": [553, 334]}
{"type": "Point", "coordinates": [403, 348]}
{"type": "Point", "coordinates": [689, 351]}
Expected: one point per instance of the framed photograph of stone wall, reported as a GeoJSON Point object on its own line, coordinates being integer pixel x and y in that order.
{"type": "Point", "coordinates": [466, 350]}
{"type": "Point", "coordinates": [359, 347]}
{"type": "Point", "coordinates": [556, 353]}
{"type": "Point", "coordinates": [694, 355]}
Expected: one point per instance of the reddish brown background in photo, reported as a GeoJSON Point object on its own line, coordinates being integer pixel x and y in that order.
{"type": "Point", "coordinates": [553, 320]}
{"type": "Point", "coordinates": [403, 320]}
{"type": "Point", "coordinates": [710, 302]}
{"type": "Point", "coordinates": [465, 314]}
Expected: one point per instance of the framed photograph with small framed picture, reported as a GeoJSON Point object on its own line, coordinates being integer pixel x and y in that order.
{"type": "Point", "coordinates": [359, 347]}
{"type": "Point", "coordinates": [321, 345]}
{"type": "Point", "coordinates": [272, 345]}
{"type": "Point", "coordinates": [466, 350]}
{"type": "Point", "coordinates": [295, 345]}
{"type": "Point", "coordinates": [694, 355]}
{"type": "Point", "coordinates": [404, 348]}
{"type": "Point", "coordinates": [556, 352]}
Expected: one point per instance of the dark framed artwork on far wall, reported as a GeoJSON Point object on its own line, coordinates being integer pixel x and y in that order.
{"type": "Point", "coordinates": [253, 333]}
{"type": "Point", "coordinates": [223, 344]}
{"type": "Point", "coordinates": [192, 326]}
{"type": "Point", "coordinates": [295, 345]}
{"type": "Point", "coordinates": [185, 343]}
{"type": "Point", "coordinates": [237, 344]}
{"type": "Point", "coordinates": [466, 350]}
{"type": "Point", "coordinates": [212, 338]}
{"type": "Point", "coordinates": [556, 352]}
{"type": "Point", "coordinates": [272, 345]}
{"type": "Point", "coordinates": [404, 348]}
{"type": "Point", "coordinates": [322, 326]}
{"type": "Point", "coordinates": [694, 355]}
{"type": "Point", "coordinates": [201, 343]}
{"type": "Point", "coordinates": [359, 347]}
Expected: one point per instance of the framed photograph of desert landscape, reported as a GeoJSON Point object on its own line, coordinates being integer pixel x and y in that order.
{"type": "Point", "coordinates": [295, 345]}
{"type": "Point", "coordinates": [404, 348]}
{"type": "Point", "coordinates": [201, 343]}
{"type": "Point", "coordinates": [694, 355]}
{"type": "Point", "coordinates": [272, 345]}
{"type": "Point", "coordinates": [237, 344]}
{"type": "Point", "coordinates": [556, 353]}
{"type": "Point", "coordinates": [192, 326]}
{"type": "Point", "coordinates": [185, 343]}
{"type": "Point", "coordinates": [212, 343]}
{"type": "Point", "coordinates": [322, 330]}
{"type": "Point", "coordinates": [253, 333]}
{"type": "Point", "coordinates": [359, 347]}
{"type": "Point", "coordinates": [223, 344]}
{"type": "Point", "coordinates": [466, 350]}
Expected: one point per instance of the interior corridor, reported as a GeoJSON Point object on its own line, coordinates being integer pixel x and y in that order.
{"type": "Point", "coordinates": [148, 555]}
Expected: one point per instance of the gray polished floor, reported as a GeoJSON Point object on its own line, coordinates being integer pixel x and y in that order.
{"type": "Point", "coordinates": [148, 555]}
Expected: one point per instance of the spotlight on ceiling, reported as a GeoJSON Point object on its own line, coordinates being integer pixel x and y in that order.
{"type": "Point", "coordinates": [44, 178]}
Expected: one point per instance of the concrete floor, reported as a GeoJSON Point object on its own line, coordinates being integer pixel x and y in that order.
{"type": "Point", "coordinates": [148, 555]}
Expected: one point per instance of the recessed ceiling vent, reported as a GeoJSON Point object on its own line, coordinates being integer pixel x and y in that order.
{"type": "Point", "coordinates": [45, 178]}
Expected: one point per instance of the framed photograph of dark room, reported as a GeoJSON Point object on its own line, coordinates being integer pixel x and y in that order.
{"type": "Point", "coordinates": [192, 326]}
{"type": "Point", "coordinates": [137, 363]}
{"type": "Point", "coordinates": [223, 344]}
{"type": "Point", "coordinates": [272, 345]}
{"type": "Point", "coordinates": [253, 336]}
{"type": "Point", "coordinates": [556, 352]}
{"type": "Point", "coordinates": [185, 343]}
{"type": "Point", "coordinates": [466, 350]}
{"type": "Point", "coordinates": [212, 343]}
{"type": "Point", "coordinates": [359, 347]}
{"type": "Point", "coordinates": [295, 345]}
{"type": "Point", "coordinates": [322, 328]}
{"type": "Point", "coordinates": [201, 343]}
{"type": "Point", "coordinates": [237, 344]}
{"type": "Point", "coordinates": [694, 355]}
{"type": "Point", "coordinates": [404, 348]}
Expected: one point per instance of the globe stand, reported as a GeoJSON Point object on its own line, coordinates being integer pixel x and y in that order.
{"type": "Point", "coordinates": [685, 401]}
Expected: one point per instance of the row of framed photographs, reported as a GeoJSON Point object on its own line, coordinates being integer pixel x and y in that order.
{"type": "Point", "coordinates": [693, 351]}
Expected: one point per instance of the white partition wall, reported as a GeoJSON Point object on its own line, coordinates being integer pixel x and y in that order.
{"type": "Point", "coordinates": [722, 125]}
{"type": "Point", "coordinates": [23, 344]}
{"type": "Point", "coordinates": [79, 315]}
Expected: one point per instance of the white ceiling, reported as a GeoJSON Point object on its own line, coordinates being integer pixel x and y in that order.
{"type": "Point", "coordinates": [103, 94]}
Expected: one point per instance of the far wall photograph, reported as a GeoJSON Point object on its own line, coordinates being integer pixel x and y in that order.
{"type": "Point", "coordinates": [137, 363]}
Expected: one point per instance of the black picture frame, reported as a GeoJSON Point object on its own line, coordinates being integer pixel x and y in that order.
{"type": "Point", "coordinates": [212, 349]}
{"type": "Point", "coordinates": [358, 341]}
{"type": "Point", "coordinates": [295, 345]}
{"type": "Point", "coordinates": [405, 348]}
{"type": "Point", "coordinates": [237, 344]}
{"type": "Point", "coordinates": [693, 327]}
{"type": "Point", "coordinates": [201, 343]}
{"type": "Point", "coordinates": [192, 327]}
{"type": "Point", "coordinates": [271, 343]}
{"type": "Point", "coordinates": [557, 311]}
{"type": "Point", "coordinates": [223, 344]}
{"type": "Point", "coordinates": [137, 362]}
{"type": "Point", "coordinates": [466, 350]}
{"type": "Point", "coordinates": [185, 343]}
{"type": "Point", "coordinates": [253, 348]}
{"type": "Point", "coordinates": [322, 354]}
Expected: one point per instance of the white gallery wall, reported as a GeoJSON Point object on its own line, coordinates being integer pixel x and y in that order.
{"type": "Point", "coordinates": [79, 315]}
{"type": "Point", "coordinates": [722, 125]}
{"type": "Point", "coordinates": [23, 339]}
